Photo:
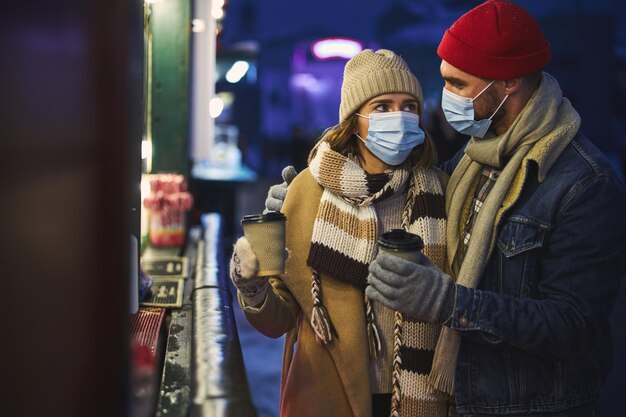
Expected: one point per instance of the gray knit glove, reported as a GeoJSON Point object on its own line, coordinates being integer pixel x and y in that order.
{"type": "Point", "coordinates": [276, 194]}
{"type": "Point", "coordinates": [243, 269]}
{"type": "Point", "coordinates": [421, 291]}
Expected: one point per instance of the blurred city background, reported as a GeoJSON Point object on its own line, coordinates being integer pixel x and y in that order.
{"type": "Point", "coordinates": [291, 92]}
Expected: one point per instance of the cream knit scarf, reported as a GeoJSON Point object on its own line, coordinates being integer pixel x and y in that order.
{"type": "Point", "coordinates": [344, 242]}
{"type": "Point", "coordinates": [548, 122]}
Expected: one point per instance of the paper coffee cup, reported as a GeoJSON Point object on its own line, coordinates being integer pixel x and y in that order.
{"type": "Point", "coordinates": [266, 234]}
{"type": "Point", "coordinates": [401, 243]}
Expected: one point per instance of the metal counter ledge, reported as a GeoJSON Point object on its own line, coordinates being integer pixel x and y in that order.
{"type": "Point", "coordinates": [203, 373]}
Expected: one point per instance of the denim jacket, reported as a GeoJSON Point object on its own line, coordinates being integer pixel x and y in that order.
{"type": "Point", "coordinates": [536, 335]}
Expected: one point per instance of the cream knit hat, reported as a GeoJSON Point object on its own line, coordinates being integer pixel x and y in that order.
{"type": "Point", "coordinates": [369, 74]}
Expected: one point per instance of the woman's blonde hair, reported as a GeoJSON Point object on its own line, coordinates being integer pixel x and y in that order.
{"type": "Point", "coordinates": [342, 139]}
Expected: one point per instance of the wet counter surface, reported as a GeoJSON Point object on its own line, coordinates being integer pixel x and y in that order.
{"type": "Point", "coordinates": [203, 372]}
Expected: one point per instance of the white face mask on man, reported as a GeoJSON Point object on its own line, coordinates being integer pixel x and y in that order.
{"type": "Point", "coordinates": [459, 112]}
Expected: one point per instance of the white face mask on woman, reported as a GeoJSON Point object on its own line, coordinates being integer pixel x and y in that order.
{"type": "Point", "coordinates": [459, 112]}
{"type": "Point", "coordinates": [391, 136]}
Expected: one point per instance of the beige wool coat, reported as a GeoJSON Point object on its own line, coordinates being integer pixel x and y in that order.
{"type": "Point", "coordinates": [317, 380]}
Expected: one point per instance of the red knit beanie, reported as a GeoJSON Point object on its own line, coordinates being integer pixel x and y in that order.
{"type": "Point", "coordinates": [495, 40]}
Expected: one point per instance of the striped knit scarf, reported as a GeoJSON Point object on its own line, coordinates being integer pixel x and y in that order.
{"type": "Point", "coordinates": [344, 242]}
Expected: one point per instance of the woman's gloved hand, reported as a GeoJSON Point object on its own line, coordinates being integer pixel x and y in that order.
{"type": "Point", "coordinates": [243, 272]}
{"type": "Point", "coordinates": [276, 194]}
{"type": "Point", "coordinates": [420, 290]}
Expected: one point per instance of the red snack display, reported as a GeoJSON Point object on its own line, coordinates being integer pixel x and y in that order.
{"type": "Point", "coordinates": [167, 203]}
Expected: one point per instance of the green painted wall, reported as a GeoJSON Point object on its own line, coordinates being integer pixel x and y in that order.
{"type": "Point", "coordinates": [170, 24]}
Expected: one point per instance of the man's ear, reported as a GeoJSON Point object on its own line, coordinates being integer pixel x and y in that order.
{"type": "Point", "coordinates": [512, 85]}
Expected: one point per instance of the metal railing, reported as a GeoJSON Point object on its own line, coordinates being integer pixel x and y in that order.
{"type": "Point", "coordinates": [219, 385]}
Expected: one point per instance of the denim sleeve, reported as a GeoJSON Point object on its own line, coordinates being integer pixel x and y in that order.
{"type": "Point", "coordinates": [449, 166]}
{"type": "Point", "coordinates": [580, 270]}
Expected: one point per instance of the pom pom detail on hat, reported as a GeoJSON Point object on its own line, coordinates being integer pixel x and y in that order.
{"type": "Point", "coordinates": [497, 39]}
{"type": "Point", "coordinates": [369, 74]}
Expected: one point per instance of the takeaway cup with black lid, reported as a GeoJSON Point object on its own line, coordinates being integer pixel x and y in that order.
{"type": "Point", "coordinates": [401, 243]}
{"type": "Point", "coordinates": [266, 234]}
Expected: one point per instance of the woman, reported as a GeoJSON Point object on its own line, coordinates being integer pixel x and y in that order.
{"type": "Point", "coordinates": [344, 355]}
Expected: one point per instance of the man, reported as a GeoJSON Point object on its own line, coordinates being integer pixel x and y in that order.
{"type": "Point", "coordinates": [536, 233]}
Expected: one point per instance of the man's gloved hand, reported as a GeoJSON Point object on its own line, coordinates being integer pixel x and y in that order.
{"type": "Point", "coordinates": [276, 194]}
{"type": "Point", "coordinates": [243, 269]}
{"type": "Point", "coordinates": [421, 291]}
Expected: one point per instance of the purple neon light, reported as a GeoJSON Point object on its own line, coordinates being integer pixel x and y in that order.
{"type": "Point", "coordinates": [335, 48]}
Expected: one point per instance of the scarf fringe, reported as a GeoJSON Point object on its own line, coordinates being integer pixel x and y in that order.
{"type": "Point", "coordinates": [407, 213]}
{"type": "Point", "coordinates": [397, 363]}
{"type": "Point", "coordinates": [320, 320]}
{"type": "Point", "coordinates": [441, 376]}
{"type": "Point", "coordinates": [442, 382]}
{"type": "Point", "coordinates": [373, 336]}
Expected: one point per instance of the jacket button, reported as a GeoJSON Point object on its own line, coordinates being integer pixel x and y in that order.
{"type": "Point", "coordinates": [463, 321]}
